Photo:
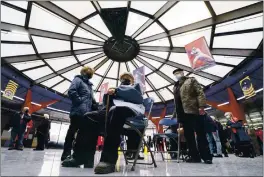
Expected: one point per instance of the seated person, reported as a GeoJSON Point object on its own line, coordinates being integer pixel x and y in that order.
{"type": "Point", "coordinates": [125, 101]}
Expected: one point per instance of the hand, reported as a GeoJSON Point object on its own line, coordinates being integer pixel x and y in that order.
{"type": "Point", "coordinates": [201, 111]}
{"type": "Point", "coordinates": [111, 91]}
{"type": "Point", "coordinates": [228, 127]}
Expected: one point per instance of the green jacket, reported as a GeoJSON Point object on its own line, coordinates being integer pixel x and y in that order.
{"type": "Point", "coordinates": [192, 96]}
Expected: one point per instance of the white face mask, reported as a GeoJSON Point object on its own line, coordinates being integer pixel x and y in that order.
{"type": "Point", "coordinates": [228, 116]}
{"type": "Point", "coordinates": [178, 76]}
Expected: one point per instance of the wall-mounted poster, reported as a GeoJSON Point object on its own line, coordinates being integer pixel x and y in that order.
{"type": "Point", "coordinates": [247, 87]}
{"type": "Point", "coordinates": [10, 90]}
{"type": "Point", "coordinates": [199, 54]}
{"type": "Point", "coordinates": [103, 90]}
{"type": "Point", "coordinates": [139, 75]}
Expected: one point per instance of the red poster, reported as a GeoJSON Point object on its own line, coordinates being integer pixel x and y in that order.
{"type": "Point", "coordinates": [199, 54]}
{"type": "Point", "coordinates": [103, 90]}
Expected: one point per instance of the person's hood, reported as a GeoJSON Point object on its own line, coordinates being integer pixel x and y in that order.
{"type": "Point", "coordinates": [85, 79]}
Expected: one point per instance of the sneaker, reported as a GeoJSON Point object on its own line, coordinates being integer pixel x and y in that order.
{"type": "Point", "coordinates": [218, 155]}
{"type": "Point", "coordinates": [11, 148]}
{"type": "Point", "coordinates": [104, 168]}
{"type": "Point", "coordinates": [65, 155]}
{"type": "Point", "coordinates": [20, 148]}
{"type": "Point", "coordinates": [226, 155]}
{"type": "Point", "coordinates": [191, 160]}
{"type": "Point", "coordinates": [208, 162]}
{"type": "Point", "coordinates": [71, 162]}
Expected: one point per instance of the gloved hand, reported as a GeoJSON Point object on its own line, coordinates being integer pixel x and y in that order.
{"type": "Point", "coordinates": [10, 129]}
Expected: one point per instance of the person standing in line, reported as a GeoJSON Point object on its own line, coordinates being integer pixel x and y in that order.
{"type": "Point", "coordinates": [42, 133]}
{"type": "Point", "coordinates": [189, 100]}
{"type": "Point", "coordinates": [18, 124]}
{"type": "Point", "coordinates": [81, 95]}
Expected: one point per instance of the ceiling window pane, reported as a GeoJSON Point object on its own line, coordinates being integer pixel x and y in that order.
{"type": "Point", "coordinates": [85, 34]}
{"type": "Point", "coordinates": [202, 80]}
{"type": "Point", "coordinates": [158, 81]}
{"type": "Point", "coordinates": [148, 88]}
{"type": "Point", "coordinates": [12, 16]}
{"type": "Point", "coordinates": [158, 54]}
{"type": "Point", "coordinates": [103, 68]}
{"type": "Point", "coordinates": [42, 19]}
{"type": "Point", "coordinates": [181, 58]}
{"type": "Point", "coordinates": [113, 71]}
{"type": "Point", "coordinates": [154, 63]}
{"type": "Point", "coordinates": [147, 69]}
{"type": "Point", "coordinates": [60, 63]}
{"type": "Point", "coordinates": [28, 64]}
{"type": "Point", "coordinates": [94, 63]}
{"type": "Point", "coordinates": [228, 59]}
{"type": "Point", "coordinates": [97, 23]}
{"type": "Point", "coordinates": [254, 21]}
{"type": "Point", "coordinates": [22, 4]}
{"type": "Point", "coordinates": [171, 87]}
{"type": "Point", "coordinates": [150, 7]}
{"type": "Point", "coordinates": [168, 70]}
{"type": "Point", "coordinates": [86, 56]}
{"type": "Point", "coordinates": [16, 49]}
{"type": "Point", "coordinates": [134, 22]}
{"type": "Point", "coordinates": [123, 68]}
{"type": "Point", "coordinates": [112, 4]}
{"type": "Point", "coordinates": [160, 42]}
{"type": "Point", "coordinates": [45, 45]}
{"type": "Point", "coordinates": [111, 82]}
{"type": "Point", "coordinates": [78, 46]}
{"type": "Point", "coordinates": [62, 87]}
{"type": "Point", "coordinates": [53, 81]}
{"type": "Point", "coordinates": [166, 94]}
{"type": "Point", "coordinates": [150, 31]}
{"type": "Point", "coordinates": [154, 96]}
{"type": "Point", "coordinates": [96, 96]}
{"type": "Point", "coordinates": [11, 36]}
{"type": "Point", "coordinates": [186, 38]}
{"type": "Point", "coordinates": [79, 9]}
{"type": "Point", "coordinates": [71, 74]}
{"type": "Point", "coordinates": [218, 70]}
{"type": "Point", "coordinates": [131, 66]}
{"type": "Point", "coordinates": [185, 13]}
{"type": "Point", "coordinates": [95, 80]}
{"type": "Point", "coordinates": [244, 41]}
{"type": "Point", "coordinates": [38, 73]}
{"type": "Point", "coordinates": [221, 7]}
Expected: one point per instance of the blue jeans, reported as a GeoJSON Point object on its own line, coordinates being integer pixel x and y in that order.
{"type": "Point", "coordinates": [211, 137]}
{"type": "Point", "coordinates": [20, 134]}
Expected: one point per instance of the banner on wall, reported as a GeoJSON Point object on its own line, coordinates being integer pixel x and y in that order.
{"type": "Point", "coordinates": [199, 54]}
{"type": "Point", "coordinates": [103, 90]}
{"type": "Point", "coordinates": [247, 87]}
{"type": "Point", "coordinates": [139, 75]}
{"type": "Point", "coordinates": [10, 90]}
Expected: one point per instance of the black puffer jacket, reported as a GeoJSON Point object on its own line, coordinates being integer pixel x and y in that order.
{"type": "Point", "coordinates": [81, 95]}
{"type": "Point", "coordinates": [19, 124]}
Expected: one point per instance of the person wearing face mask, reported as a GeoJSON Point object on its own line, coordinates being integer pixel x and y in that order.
{"type": "Point", "coordinates": [125, 101]}
{"type": "Point", "coordinates": [42, 133]}
{"type": "Point", "coordinates": [189, 100]}
{"type": "Point", "coordinates": [18, 124]}
{"type": "Point", "coordinates": [82, 97]}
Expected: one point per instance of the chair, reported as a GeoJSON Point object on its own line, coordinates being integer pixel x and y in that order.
{"type": "Point", "coordinates": [137, 123]}
{"type": "Point", "coordinates": [173, 136]}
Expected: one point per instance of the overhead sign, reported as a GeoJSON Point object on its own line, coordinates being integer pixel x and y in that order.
{"type": "Point", "coordinates": [199, 54]}
{"type": "Point", "coordinates": [10, 90]}
{"type": "Point", "coordinates": [103, 90]}
{"type": "Point", "coordinates": [247, 87]}
{"type": "Point", "coordinates": [139, 75]}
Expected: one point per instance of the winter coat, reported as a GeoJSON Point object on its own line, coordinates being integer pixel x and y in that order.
{"type": "Point", "coordinates": [240, 134]}
{"type": "Point", "coordinates": [18, 123]}
{"type": "Point", "coordinates": [44, 127]}
{"type": "Point", "coordinates": [209, 124]}
{"type": "Point", "coordinates": [221, 131]}
{"type": "Point", "coordinates": [81, 95]}
{"type": "Point", "coordinates": [192, 96]}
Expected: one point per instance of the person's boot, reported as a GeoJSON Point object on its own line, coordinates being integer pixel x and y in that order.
{"type": "Point", "coordinates": [226, 155]}
{"type": "Point", "coordinates": [104, 168]}
{"type": "Point", "coordinates": [71, 162]}
{"type": "Point", "coordinates": [208, 162]}
{"type": "Point", "coordinates": [218, 155]}
{"type": "Point", "coordinates": [192, 160]}
{"type": "Point", "coordinates": [65, 155]}
{"type": "Point", "coordinates": [20, 148]}
{"type": "Point", "coordinates": [90, 161]}
{"type": "Point", "coordinates": [11, 148]}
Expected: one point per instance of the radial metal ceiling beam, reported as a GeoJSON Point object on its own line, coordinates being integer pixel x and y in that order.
{"type": "Point", "coordinates": [229, 16]}
{"type": "Point", "coordinates": [106, 72]}
{"type": "Point", "coordinates": [48, 34]}
{"type": "Point", "coordinates": [29, 7]}
{"type": "Point", "coordinates": [62, 71]}
{"type": "Point", "coordinates": [213, 14]}
{"type": "Point", "coordinates": [13, 6]}
{"type": "Point", "coordinates": [214, 51]}
{"type": "Point", "coordinates": [240, 32]}
{"type": "Point", "coordinates": [67, 16]}
{"type": "Point", "coordinates": [150, 84]}
{"type": "Point", "coordinates": [165, 8]}
{"type": "Point", "coordinates": [161, 74]}
{"type": "Point", "coordinates": [177, 65]}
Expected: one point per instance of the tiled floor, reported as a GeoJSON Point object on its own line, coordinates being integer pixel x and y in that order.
{"type": "Point", "coordinates": [47, 163]}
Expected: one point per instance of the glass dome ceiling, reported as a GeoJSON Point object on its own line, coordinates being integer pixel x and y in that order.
{"type": "Point", "coordinates": [50, 41]}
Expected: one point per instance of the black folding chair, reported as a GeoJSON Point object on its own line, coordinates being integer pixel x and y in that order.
{"type": "Point", "coordinates": [138, 123]}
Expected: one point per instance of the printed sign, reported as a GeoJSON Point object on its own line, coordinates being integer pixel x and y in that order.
{"type": "Point", "coordinates": [247, 87]}
{"type": "Point", "coordinates": [139, 75]}
{"type": "Point", "coordinates": [10, 90]}
{"type": "Point", "coordinates": [103, 90]}
{"type": "Point", "coordinates": [199, 54]}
